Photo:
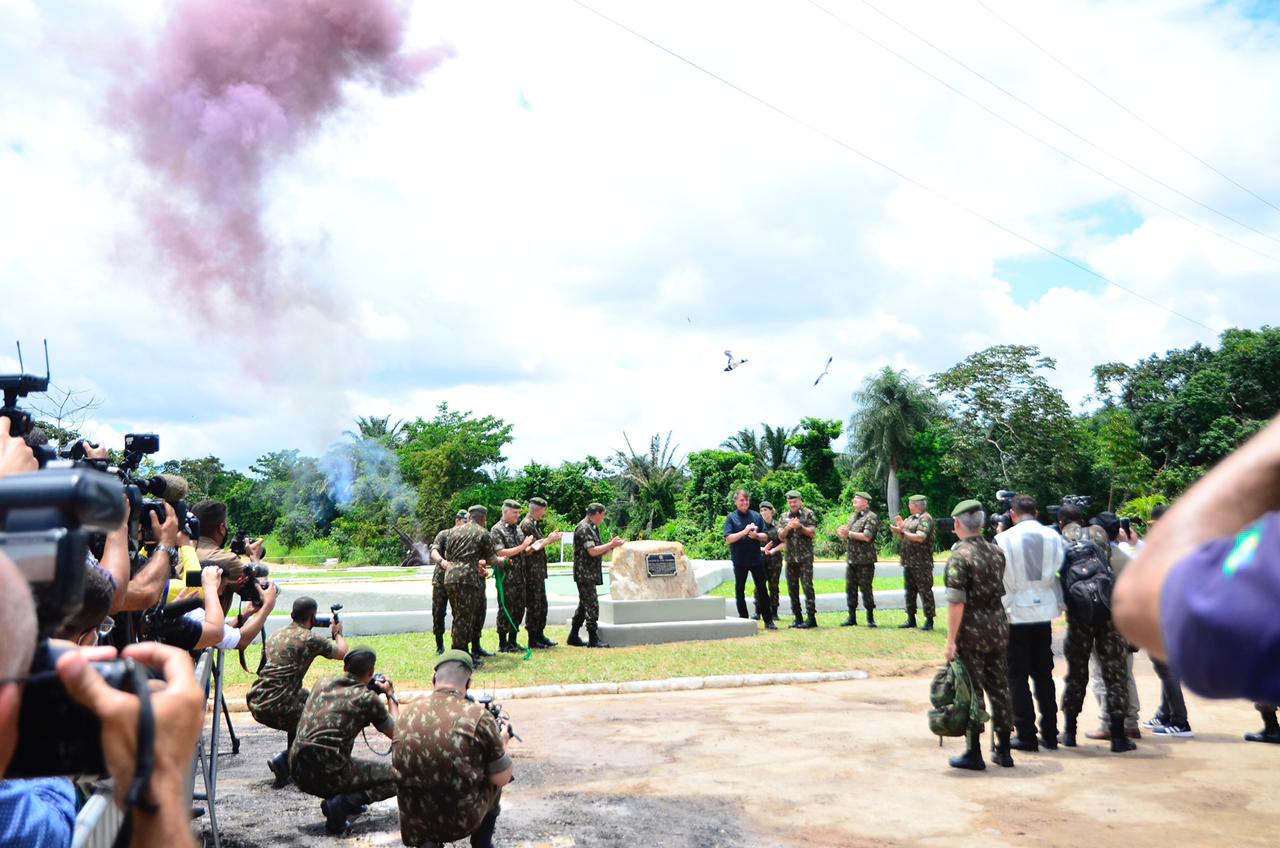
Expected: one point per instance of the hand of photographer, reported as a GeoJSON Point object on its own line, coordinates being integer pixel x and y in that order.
{"type": "Point", "coordinates": [255, 549]}
{"type": "Point", "coordinates": [167, 532]}
{"type": "Point", "coordinates": [336, 630]}
{"type": "Point", "coordinates": [210, 576]}
{"type": "Point", "coordinates": [15, 456]}
{"type": "Point", "coordinates": [176, 703]}
{"type": "Point", "coordinates": [95, 451]}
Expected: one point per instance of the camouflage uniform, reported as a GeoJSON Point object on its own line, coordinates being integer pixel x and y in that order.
{"type": "Point", "coordinates": [800, 562]}
{"type": "Point", "coordinates": [975, 578]}
{"type": "Point", "coordinates": [588, 573]}
{"type": "Point", "coordinates": [534, 565]}
{"type": "Point", "coordinates": [439, 594]}
{"type": "Point", "coordinates": [276, 699]}
{"type": "Point", "coordinates": [320, 760]}
{"type": "Point", "coordinates": [773, 567]}
{"type": "Point", "coordinates": [1083, 638]}
{"type": "Point", "coordinates": [464, 547]}
{"type": "Point", "coordinates": [445, 751]}
{"type": "Point", "coordinates": [509, 536]}
{"type": "Point", "coordinates": [917, 563]}
{"type": "Point", "coordinates": [860, 562]}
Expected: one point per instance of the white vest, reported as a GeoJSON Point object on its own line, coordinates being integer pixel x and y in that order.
{"type": "Point", "coordinates": [1033, 555]}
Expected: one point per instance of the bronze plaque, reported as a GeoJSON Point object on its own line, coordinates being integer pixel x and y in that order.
{"type": "Point", "coordinates": [661, 565]}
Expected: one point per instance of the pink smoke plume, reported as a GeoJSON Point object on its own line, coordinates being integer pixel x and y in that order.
{"type": "Point", "coordinates": [232, 87]}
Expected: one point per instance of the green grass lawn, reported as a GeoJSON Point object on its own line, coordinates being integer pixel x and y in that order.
{"type": "Point", "coordinates": [821, 587]}
{"type": "Point", "coordinates": [409, 658]}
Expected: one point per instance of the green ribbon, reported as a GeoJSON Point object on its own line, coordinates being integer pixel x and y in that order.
{"type": "Point", "coordinates": [500, 580]}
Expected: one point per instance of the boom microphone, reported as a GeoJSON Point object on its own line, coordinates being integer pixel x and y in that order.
{"type": "Point", "coordinates": [171, 487]}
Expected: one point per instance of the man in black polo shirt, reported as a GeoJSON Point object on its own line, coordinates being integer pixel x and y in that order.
{"type": "Point", "coordinates": [743, 535]}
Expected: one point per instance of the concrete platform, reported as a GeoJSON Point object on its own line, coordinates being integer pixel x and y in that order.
{"type": "Point", "coordinates": [672, 609]}
{"type": "Point", "coordinates": [676, 631]}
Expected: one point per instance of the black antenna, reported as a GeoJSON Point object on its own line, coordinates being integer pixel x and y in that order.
{"type": "Point", "coordinates": [47, 372]}
{"type": "Point", "coordinates": [21, 369]}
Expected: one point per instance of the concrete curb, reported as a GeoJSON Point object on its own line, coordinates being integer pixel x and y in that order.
{"type": "Point", "coordinates": [638, 687]}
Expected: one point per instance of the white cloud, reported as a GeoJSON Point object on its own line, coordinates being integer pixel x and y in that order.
{"type": "Point", "coordinates": [577, 267]}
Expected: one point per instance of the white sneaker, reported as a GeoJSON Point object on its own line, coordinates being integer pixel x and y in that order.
{"type": "Point", "coordinates": [1184, 731]}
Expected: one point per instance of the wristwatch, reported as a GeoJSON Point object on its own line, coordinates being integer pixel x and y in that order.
{"type": "Point", "coordinates": [175, 562]}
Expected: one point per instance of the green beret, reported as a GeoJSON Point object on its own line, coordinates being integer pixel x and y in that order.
{"type": "Point", "coordinates": [793, 494]}
{"type": "Point", "coordinates": [915, 498]}
{"type": "Point", "coordinates": [537, 502]}
{"type": "Point", "coordinates": [462, 513]}
{"type": "Point", "coordinates": [478, 508]}
{"type": "Point", "coordinates": [593, 508]}
{"type": "Point", "coordinates": [965, 506]}
{"type": "Point", "coordinates": [766, 505]}
{"type": "Point", "coordinates": [510, 504]}
{"type": "Point", "coordinates": [455, 656]}
{"type": "Point", "coordinates": [862, 495]}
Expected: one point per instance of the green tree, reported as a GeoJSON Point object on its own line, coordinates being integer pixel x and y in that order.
{"type": "Point", "coordinates": [713, 476]}
{"type": "Point", "coordinates": [377, 429]}
{"type": "Point", "coordinates": [568, 489]}
{"type": "Point", "coordinates": [776, 450]}
{"type": "Point", "coordinates": [817, 460]}
{"type": "Point", "coordinates": [1115, 450]}
{"type": "Point", "coordinates": [648, 483]}
{"type": "Point", "coordinates": [890, 410]}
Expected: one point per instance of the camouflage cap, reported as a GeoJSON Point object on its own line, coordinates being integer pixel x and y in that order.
{"type": "Point", "coordinates": [455, 656]}
{"type": "Point", "coordinates": [593, 508]}
{"type": "Point", "coordinates": [862, 495]}
{"type": "Point", "coordinates": [766, 505]}
{"type": "Point", "coordinates": [965, 506]}
{"type": "Point", "coordinates": [792, 495]}
{"type": "Point", "coordinates": [537, 501]}
{"type": "Point", "coordinates": [462, 513]}
{"type": "Point", "coordinates": [917, 498]}
{"type": "Point", "coordinates": [478, 508]}
{"type": "Point", "coordinates": [510, 504]}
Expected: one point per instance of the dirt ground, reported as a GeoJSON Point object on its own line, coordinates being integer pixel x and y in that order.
{"type": "Point", "coordinates": [826, 765]}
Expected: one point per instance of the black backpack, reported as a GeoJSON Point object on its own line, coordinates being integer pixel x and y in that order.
{"type": "Point", "coordinates": [1086, 582]}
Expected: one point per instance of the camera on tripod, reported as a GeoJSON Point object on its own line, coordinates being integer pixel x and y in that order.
{"type": "Point", "coordinates": [1004, 502]}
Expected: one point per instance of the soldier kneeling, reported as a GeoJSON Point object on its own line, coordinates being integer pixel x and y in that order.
{"type": "Point", "coordinates": [320, 759]}
{"type": "Point", "coordinates": [450, 762]}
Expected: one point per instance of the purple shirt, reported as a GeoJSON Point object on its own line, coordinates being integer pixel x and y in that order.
{"type": "Point", "coordinates": [1218, 614]}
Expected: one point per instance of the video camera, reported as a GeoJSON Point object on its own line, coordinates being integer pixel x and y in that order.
{"type": "Point", "coordinates": [168, 623]}
{"type": "Point", "coordinates": [379, 684]}
{"type": "Point", "coordinates": [331, 619]}
{"type": "Point", "coordinates": [19, 385]}
{"type": "Point", "coordinates": [247, 586]}
{"type": "Point", "coordinates": [499, 715]}
{"type": "Point", "coordinates": [1004, 502]}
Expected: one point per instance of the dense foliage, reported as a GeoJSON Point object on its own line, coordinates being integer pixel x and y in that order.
{"type": "Point", "coordinates": [992, 421]}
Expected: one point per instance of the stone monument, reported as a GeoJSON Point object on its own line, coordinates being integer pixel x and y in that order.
{"type": "Point", "coordinates": [654, 598]}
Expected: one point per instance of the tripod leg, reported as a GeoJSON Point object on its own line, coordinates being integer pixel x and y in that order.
{"type": "Point", "coordinates": [231, 731]}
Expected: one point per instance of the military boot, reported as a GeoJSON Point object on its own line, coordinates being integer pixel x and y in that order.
{"type": "Point", "coordinates": [574, 639]}
{"type": "Point", "coordinates": [544, 642]}
{"type": "Point", "coordinates": [799, 623]}
{"type": "Point", "coordinates": [852, 620]}
{"type": "Point", "coordinates": [1120, 741]}
{"type": "Point", "coordinates": [1270, 731]}
{"type": "Point", "coordinates": [971, 759]}
{"type": "Point", "coordinates": [1000, 752]}
{"type": "Point", "coordinates": [478, 651]}
{"type": "Point", "coordinates": [594, 640]}
{"type": "Point", "coordinates": [871, 618]}
{"type": "Point", "coordinates": [338, 809]}
{"type": "Point", "coordinates": [439, 643]}
{"type": "Point", "coordinates": [1027, 743]}
{"type": "Point", "coordinates": [928, 623]}
{"type": "Point", "coordinates": [909, 623]}
{"type": "Point", "coordinates": [1068, 738]}
{"type": "Point", "coordinates": [811, 621]}
{"type": "Point", "coordinates": [279, 765]}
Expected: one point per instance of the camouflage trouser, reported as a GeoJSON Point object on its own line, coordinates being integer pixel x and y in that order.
{"type": "Point", "coordinates": [535, 600]}
{"type": "Point", "coordinates": [423, 822]}
{"type": "Point", "coordinates": [918, 578]}
{"type": "Point", "coordinates": [990, 673]}
{"type": "Point", "coordinates": [324, 773]}
{"type": "Point", "coordinates": [439, 600]}
{"type": "Point", "coordinates": [858, 578]}
{"type": "Point", "coordinates": [588, 609]}
{"type": "Point", "coordinates": [513, 596]}
{"type": "Point", "coordinates": [283, 717]}
{"type": "Point", "coordinates": [1081, 640]}
{"type": "Point", "coordinates": [800, 573]}
{"type": "Point", "coordinates": [773, 565]}
{"type": "Point", "coordinates": [466, 604]}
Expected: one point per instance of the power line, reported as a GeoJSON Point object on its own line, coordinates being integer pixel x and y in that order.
{"type": "Point", "coordinates": [1048, 118]}
{"type": "Point", "coordinates": [899, 174]}
{"type": "Point", "coordinates": [1123, 107]}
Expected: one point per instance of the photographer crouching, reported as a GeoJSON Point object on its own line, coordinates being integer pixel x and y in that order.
{"type": "Point", "coordinates": [276, 699]}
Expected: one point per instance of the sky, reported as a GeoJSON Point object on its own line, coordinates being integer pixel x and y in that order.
{"type": "Point", "coordinates": [564, 226]}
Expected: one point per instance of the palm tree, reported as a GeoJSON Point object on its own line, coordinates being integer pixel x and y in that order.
{"type": "Point", "coordinates": [776, 454]}
{"type": "Point", "coordinates": [889, 410]}
{"type": "Point", "coordinates": [746, 441]}
{"type": "Point", "coordinates": [650, 482]}
{"type": "Point", "coordinates": [377, 429]}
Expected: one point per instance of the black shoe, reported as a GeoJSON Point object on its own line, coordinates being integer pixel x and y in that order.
{"type": "Point", "coordinates": [1049, 743]}
{"type": "Point", "coordinates": [812, 620]}
{"type": "Point", "coordinates": [769, 625]}
{"type": "Point", "coordinates": [575, 640]}
{"type": "Point", "coordinates": [594, 641]}
{"type": "Point", "coordinates": [928, 623]}
{"type": "Point", "coordinates": [1068, 738]}
{"type": "Point", "coordinates": [871, 619]}
{"type": "Point", "coordinates": [851, 621]}
{"type": "Point", "coordinates": [510, 648]}
{"type": "Point", "coordinates": [440, 644]}
{"type": "Point", "coordinates": [909, 624]}
{"type": "Point", "coordinates": [338, 809]}
{"type": "Point", "coordinates": [545, 642]}
{"type": "Point", "coordinates": [971, 759]}
{"type": "Point", "coordinates": [477, 650]}
{"type": "Point", "coordinates": [1270, 731]}
{"type": "Point", "coordinates": [1000, 753]}
{"type": "Point", "coordinates": [755, 616]}
{"type": "Point", "coordinates": [1027, 744]}
{"type": "Point", "coordinates": [798, 625]}
{"type": "Point", "coordinates": [279, 765]}
{"type": "Point", "coordinates": [1120, 741]}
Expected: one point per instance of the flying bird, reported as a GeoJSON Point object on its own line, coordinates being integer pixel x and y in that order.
{"type": "Point", "coordinates": [732, 363]}
{"type": "Point", "coordinates": [825, 370]}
